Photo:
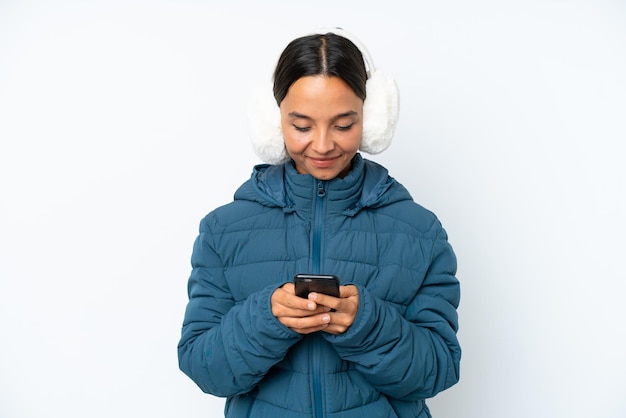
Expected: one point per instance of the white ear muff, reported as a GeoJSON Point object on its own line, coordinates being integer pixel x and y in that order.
{"type": "Point", "coordinates": [380, 113]}
{"type": "Point", "coordinates": [381, 109]}
{"type": "Point", "coordinates": [264, 126]}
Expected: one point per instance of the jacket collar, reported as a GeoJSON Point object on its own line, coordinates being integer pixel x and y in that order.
{"type": "Point", "coordinates": [367, 185]}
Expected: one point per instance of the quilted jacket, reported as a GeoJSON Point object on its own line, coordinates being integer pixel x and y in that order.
{"type": "Point", "coordinates": [365, 228]}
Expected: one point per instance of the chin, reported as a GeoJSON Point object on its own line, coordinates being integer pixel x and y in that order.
{"type": "Point", "coordinates": [325, 177]}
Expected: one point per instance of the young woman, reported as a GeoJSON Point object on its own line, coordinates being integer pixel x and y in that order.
{"type": "Point", "coordinates": [388, 342]}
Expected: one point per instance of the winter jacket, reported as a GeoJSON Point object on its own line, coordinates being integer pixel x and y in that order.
{"type": "Point", "coordinates": [365, 228]}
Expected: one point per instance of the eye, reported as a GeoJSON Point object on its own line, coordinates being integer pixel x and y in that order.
{"type": "Point", "coordinates": [344, 127]}
{"type": "Point", "coordinates": [301, 128]}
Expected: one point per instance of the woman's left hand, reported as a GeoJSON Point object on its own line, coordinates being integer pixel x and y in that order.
{"type": "Point", "coordinates": [345, 308]}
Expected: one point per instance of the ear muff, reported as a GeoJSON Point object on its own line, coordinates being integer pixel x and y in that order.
{"type": "Point", "coordinates": [264, 126]}
{"type": "Point", "coordinates": [381, 109]}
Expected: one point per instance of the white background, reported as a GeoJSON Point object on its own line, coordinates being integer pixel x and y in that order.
{"type": "Point", "coordinates": [122, 123]}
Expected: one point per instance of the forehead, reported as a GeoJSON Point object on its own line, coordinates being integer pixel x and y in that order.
{"type": "Point", "coordinates": [321, 94]}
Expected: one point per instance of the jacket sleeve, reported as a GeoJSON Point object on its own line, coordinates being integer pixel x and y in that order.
{"type": "Point", "coordinates": [417, 355]}
{"type": "Point", "coordinates": [226, 348]}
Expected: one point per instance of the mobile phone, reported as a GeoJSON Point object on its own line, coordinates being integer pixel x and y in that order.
{"type": "Point", "coordinates": [327, 284]}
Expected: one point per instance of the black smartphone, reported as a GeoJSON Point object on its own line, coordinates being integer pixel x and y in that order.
{"type": "Point", "coordinates": [327, 284]}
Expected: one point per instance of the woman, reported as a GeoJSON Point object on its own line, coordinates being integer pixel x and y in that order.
{"type": "Point", "coordinates": [388, 342]}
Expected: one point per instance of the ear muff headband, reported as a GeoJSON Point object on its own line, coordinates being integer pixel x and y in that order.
{"type": "Point", "coordinates": [381, 109]}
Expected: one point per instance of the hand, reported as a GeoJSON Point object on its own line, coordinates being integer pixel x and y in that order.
{"type": "Point", "coordinates": [303, 316]}
{"type": "Point", "coordinates": [344, 308]}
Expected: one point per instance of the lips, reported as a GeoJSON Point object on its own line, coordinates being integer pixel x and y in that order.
{"type": "Point", "coordinates": [323, 162]}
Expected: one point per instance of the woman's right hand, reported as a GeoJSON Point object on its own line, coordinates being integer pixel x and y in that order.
{"type": "Point", "coordinates": [301, 315]}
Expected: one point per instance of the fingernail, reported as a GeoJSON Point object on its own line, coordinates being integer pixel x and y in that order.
{"type": "Point", "coordinates": [310, 306]}
{"type": "Point", "coordinates": [326, 318]}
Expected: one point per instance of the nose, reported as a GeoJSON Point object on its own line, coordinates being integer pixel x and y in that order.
{"type": "Point", "coordinates": [323, 142]}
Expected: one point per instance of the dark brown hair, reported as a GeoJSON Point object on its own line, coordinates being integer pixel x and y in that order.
{"type": "Point", "coordinates": [328, 54]}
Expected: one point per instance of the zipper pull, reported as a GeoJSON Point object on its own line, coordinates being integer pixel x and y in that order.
{"type": "Point", "coordinates": [320, 189]}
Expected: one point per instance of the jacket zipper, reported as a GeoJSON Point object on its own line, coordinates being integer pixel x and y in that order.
{"type": "Point", "coordinates": [317, 228]}
{"type": "Point", "coordinates": [317, 265]}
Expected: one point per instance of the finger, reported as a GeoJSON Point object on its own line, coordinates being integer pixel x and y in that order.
{"type": "Point", "coordinates": [325, 300]}
{"type": "Point", "coordinates": [339, 323]}
{"type": "Point", "coordinates": [348, 291]}
{"type": "Point", "coordinates": [289, 288]}
{"type": "Point", "coordinates": [284, 296]}
{"type": "Point", "coordinates": [281, 311]}
{"type": "Point", "coordinates": [334, 329]}
{"type": "Point", "coordinates": [307, 325]}
{"type": "Point", "coordinates": [305, 331]}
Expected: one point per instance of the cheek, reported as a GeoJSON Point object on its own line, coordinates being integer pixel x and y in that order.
{"type": "Point", "coordinates": [294, 142]}
{"type": "Point", "coordinates": [353, 142]}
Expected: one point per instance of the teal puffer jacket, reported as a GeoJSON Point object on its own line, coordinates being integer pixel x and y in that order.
{"type": "Point", "coordinates": [365, 228]}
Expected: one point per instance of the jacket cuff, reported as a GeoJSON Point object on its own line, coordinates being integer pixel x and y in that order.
{"type": "Point", "coordinates": [358, 334]}
{"type": "Point", "coordinates": [267, 322]}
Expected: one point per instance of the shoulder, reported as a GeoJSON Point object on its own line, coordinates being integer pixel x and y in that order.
{"type": "Point", "coordinates": [238, 214]}
{"type": "Point", "coordinates": [409, 215]}
{"type": "Point", "coordinates": [260, 194]}
{"type": "Point", "coordinates": [395, 203]}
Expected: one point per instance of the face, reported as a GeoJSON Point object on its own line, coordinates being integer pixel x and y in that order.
{"type": "Point", "coordinates": [322, 122]}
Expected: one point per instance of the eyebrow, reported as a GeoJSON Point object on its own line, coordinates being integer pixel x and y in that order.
{"type": "Point", "coordinates": [339, 116]}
